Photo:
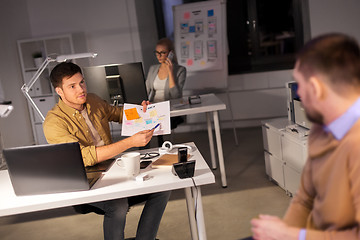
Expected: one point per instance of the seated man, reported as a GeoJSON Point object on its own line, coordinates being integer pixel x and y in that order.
{"type": "Point", "coordinates": [84, 118]}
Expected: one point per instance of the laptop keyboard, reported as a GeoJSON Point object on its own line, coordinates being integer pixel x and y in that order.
{"type": "Point", "coordinates": [92, 177]}
{"type": "Point", "coordinates": [90, 180]}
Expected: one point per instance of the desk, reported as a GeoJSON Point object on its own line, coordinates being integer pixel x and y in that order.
{"type": "Point", "coordinates": [114, 185]}
{"type": "Point", "coordinates": [209, 103]}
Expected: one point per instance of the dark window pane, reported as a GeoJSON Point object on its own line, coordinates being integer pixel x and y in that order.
{"type": "Point", "coordinates": [275, 27]}
{"type": "Point", "coordinates": [263, 34]}
{"type": "Point", "coordinates": [238, 35]}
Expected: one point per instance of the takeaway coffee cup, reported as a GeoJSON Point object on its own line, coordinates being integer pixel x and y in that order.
{"type": "Point", "coordinates": [131, 163]}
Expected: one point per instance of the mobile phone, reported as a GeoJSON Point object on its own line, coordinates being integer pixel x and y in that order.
{"type": "Point", "coordinates": [182, 154]}
{"type": "Point", "coordinates": [145, 163]}
{"type": "Point", "coordinates": [171, 55]}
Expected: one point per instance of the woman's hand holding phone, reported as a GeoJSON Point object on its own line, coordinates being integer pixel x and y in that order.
{"type": "Point", "coordinates": [171, 55]}
{"type": "Point", "coordinates": [169, 62]}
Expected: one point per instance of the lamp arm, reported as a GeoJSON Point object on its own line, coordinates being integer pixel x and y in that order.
{"type": "Point", "coordinates": [26, 87]}
{"type": "Point", "coordinates": [33, 105]}
{"type": "Point", "coordinates": [42, 67]}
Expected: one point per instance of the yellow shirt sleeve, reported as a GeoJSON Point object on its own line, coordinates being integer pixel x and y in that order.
{"type": "Point", "coordinates": [57, 131]}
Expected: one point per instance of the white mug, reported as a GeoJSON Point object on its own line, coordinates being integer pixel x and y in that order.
{"type": "Point", "coordinates": [131, 163]}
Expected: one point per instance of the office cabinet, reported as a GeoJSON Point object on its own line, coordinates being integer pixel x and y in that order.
{"type": "Point", "coordinates": [294, 149]}
{"type": "Point", "coordinates": [40, 133]}
{"type": "Point", "coordinates": [42, 92]}
{"type": "Point", "coordinates": [272, 134]}
{"type": "Point", "coordinates": [274, 169]}
{"type": "Point", "coordinates": [285, 152]}
{"type": "Point", "coordinates": [45, 104]}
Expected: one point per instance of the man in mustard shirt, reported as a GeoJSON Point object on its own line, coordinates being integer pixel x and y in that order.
{"type": "Point", "coordinates": [84, 118]}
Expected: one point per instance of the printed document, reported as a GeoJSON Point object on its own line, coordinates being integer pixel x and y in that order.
{"type": "Point", "coordinates": [135, 120]}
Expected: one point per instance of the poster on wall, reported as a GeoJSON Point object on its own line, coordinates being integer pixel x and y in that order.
{"type": "Point", "coordinates": [198, 36]}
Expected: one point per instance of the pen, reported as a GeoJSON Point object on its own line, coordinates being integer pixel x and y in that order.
{"type": "Point", "coordinates": [156, 126]}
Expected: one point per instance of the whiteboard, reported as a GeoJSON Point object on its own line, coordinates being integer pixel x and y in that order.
{"type": "Point", "coordinates": [201, 43]}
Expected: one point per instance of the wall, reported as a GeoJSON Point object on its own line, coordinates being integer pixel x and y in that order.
{"type": "Point", "coordinates": [146, 27]}
{"type": "Point", "coordinates": [252, 98]}
{"type": "Point", "coordinates": [121, 31]}
{"type": "Point", "coordinates": [14, 25]}
{"type": "Point", "coordinates": [335, 16]}
{"type": "Point", "coordinates": [105, 24]}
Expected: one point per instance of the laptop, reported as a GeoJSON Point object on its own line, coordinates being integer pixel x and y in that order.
{"type": "Point", "coordinates": [52, 168]}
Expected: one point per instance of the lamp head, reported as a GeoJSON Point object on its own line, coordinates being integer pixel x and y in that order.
{"type": "Point", "coordinates": [64, 58]}
{"type": "Point", "coordinates": [5, 110]}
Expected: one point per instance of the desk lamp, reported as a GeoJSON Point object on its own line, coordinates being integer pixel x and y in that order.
{"type": "Point", "coordinates": [61, 58]}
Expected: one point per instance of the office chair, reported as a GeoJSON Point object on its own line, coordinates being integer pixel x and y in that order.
{"type": "Point", "coordinates": [175, 121]}
{"type": "Point", "coordinates": [87, 208]}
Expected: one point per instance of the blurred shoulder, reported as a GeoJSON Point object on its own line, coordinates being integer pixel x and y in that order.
{"type": "Point", "coordinates": [179, 68]}
{"type": "Point", "coordinates": [154, 67]}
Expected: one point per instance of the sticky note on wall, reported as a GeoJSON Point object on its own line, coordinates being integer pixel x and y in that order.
{"type": "Point", "coordinates": [210, 12]}
{"type": "Point", "coordinates": [187, 15]}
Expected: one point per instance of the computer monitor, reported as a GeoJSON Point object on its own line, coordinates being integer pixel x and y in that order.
{"type": "Point", "coordinates": [296, 112]}
{"type": "Point", "coordinates": [117, 83]}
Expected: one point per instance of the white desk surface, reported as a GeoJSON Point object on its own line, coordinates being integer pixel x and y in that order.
{"type": "Point", "coordinates": [209, 103]}
{"type": "Point", "coordinates": [112, 185]}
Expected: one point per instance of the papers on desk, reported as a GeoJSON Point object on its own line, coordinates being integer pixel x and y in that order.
{"type": "Point", "coordinates": [135, 120]}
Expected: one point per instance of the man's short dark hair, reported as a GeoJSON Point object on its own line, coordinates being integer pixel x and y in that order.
{"type": "Point", "coordinates": [63, 70]}
{"type": "Point", "coordinates": [335, 55]}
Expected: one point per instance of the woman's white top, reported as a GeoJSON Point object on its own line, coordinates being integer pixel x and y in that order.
{"type": "Point", "coordinates": [159, 87]}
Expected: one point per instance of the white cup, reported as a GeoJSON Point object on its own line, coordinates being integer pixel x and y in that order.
{"type": "Point", "coordinates": [131, 163]}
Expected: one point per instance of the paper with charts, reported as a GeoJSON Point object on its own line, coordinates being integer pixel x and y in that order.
{"type": "Point", "coordinates": [135, 120]}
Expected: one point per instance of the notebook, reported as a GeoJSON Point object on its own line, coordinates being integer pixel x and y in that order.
{"type": "Point", "coordinates": [166, 160]}
{"type": "Point", "coordinates": [51, 168]}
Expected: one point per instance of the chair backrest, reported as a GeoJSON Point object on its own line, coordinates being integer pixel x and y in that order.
{"type": "Point", "coordinates": [86, 208]}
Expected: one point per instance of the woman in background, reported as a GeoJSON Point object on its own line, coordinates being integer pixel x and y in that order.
{"type": "Point", "coordinates": [166, 80]}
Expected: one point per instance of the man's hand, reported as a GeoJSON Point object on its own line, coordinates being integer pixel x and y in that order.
{"type": "Point", "coordinates": [141, 138]}
{"type": "Point", "coordinates": [272, 228]}
{"type": "Point", "coordinates": [145, 104]}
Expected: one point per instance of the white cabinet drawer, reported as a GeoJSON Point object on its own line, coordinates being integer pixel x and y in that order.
{"type": "Point", "coordinates": [272, 141]}
{"type": "Point", "coordinates": [275, 169]}
{"type": "Point", "coordinates": [292, 179]}
{"type": "Point", "coordinates": [294, 151]}
{"type": "Point", "coordinates": [44, 104]}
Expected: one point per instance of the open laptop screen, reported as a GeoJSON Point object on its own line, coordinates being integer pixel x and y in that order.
{"type": "Point", "coordinates": [48, 168]}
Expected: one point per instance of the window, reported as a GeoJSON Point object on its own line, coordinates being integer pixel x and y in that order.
{"type": "Point", "coordinates": [263, 35]}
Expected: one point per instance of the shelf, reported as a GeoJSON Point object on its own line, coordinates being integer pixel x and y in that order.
{"type": "Point", "coordinates": [42, 93]}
